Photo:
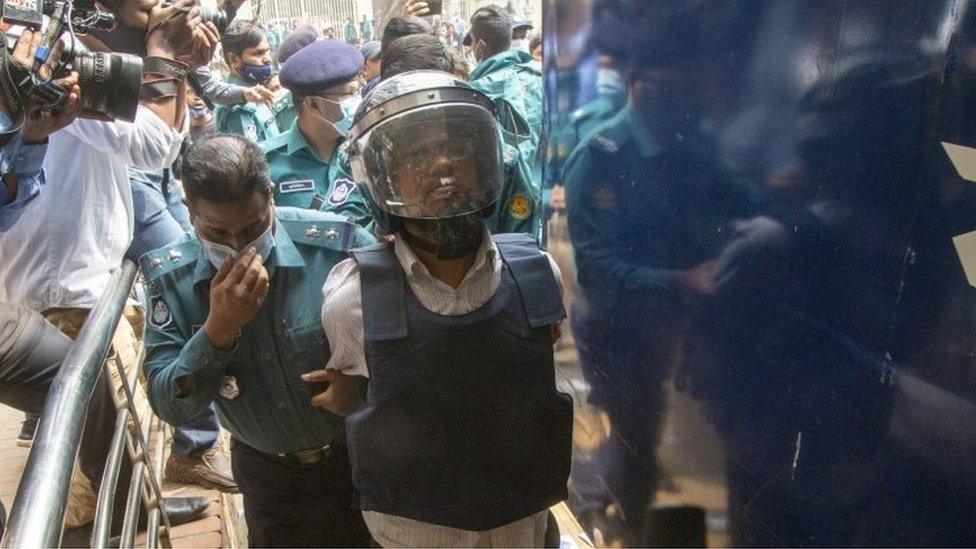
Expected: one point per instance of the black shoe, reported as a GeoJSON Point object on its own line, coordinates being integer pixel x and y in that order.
{"type": "Point", "coordinates": [27, 429]}
{"type": "Point", "coordinates": [184, 510]}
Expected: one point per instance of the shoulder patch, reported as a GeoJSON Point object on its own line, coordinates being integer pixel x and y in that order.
{"type": "Point", "coordinates": [159, 313]}
{"type": "Point", "coordinates": [341, 190]}
{"type": "Point", "coordinates": [520, 207]}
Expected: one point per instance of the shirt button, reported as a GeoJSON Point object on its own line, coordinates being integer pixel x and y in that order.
{"type": "Point", "coordinates": [267, 356]}
{"type": "Point", "coordinates": [281, 406]}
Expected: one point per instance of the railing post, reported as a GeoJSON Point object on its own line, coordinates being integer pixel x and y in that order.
{"type": "Point", "coordinates": [37, 514]}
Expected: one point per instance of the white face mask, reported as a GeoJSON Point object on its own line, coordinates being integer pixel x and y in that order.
{"type": "Point", "coordinates": [348, 108]}
{"type": "Point", "coordinates": [521, 44]}
{"type": "Point", "coordinates": [219, 253]}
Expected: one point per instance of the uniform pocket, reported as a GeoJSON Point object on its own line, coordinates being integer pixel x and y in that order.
{"type": "Point", "coordinates": [307, 346]}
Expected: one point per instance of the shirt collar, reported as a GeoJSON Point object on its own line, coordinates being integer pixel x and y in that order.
{"type": "Point", "coordinates": [647, 144]}
{"type": "Point", "coordinates": [486, 258]}
{"type": "Point", "coordinates": [296, 141]}
{"type": "Point", "coordinates": [284, 254]}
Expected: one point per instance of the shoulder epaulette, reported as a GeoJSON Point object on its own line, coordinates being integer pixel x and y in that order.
{"type": "Point", "coordinates": [322, 229]}
{"type": "Point", "coordinates": [170, 258]}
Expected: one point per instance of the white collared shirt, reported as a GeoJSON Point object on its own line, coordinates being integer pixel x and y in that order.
{"type": "Point", "coordinates": [63, 248]}
{"type": "Point", "coordinates": [342, 307]}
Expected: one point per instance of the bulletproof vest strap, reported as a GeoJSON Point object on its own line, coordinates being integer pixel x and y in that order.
{"type": "Point", "coordinates": [534, 278]}
{"type": "Point", "coordinates": [383, 293]}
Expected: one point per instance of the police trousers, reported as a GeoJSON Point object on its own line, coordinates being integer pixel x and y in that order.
{"type": "Point", "coordinates": [289, 504]}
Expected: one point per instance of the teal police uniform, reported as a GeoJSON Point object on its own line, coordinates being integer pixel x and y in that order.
{"type": "Point", "coordinates": [519, 207]}
{"type": "Point", "coordinates": [284, 111]}
{"type": "Point", "coordinates": [513, 79]}
{"type": "Point", "coordinates": [255, 121]}
{"type": "Point", "coordinates": [303, 179]}
{"type": "Point", "coordinates": [256, 385]}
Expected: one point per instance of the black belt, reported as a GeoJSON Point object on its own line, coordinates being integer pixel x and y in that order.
{"type": "Point", "coordinates": [304, 458]}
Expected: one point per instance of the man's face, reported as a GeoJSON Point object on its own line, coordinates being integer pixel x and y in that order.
{"type": "Point", "coordinates": [235, 224]}
{"type": "Point", "coordinates": [325, 106]}
{"type": "Point", "coordinates": [434, 173]}
{"type": "Point", "coordinates": [257, 56]}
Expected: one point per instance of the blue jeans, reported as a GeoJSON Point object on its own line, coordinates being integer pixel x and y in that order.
{"type": "Point", "coordinates": [160, 219]}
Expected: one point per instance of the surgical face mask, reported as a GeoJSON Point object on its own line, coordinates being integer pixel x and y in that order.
{"type": "Point", "coordinates": [347, 106]}
{"type": "Point", "coordinates": [258, 74]}
{"type": "Point", "coordinates": [219, 253]}
{"type": "Point", "coordinates": [199, 112]}
{"type": "Point", "coordinates": [520, 44]}
{"type": "Point", "coordinates": [451, 238]}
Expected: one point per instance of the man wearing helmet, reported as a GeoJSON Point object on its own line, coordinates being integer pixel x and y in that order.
{"type": "Point", "coordinates": [463, 439]}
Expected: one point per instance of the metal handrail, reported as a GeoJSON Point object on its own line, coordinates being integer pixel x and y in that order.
{"type": "Point", "coordinates": [37, 514]}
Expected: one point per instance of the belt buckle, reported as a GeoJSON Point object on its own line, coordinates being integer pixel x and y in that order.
{"type": "Point", "coordinates": [313, 456]}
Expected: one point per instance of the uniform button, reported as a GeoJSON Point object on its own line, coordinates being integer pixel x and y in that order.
{"type": "Point", "coordinates": [267, 356]}
{"type": "Point", "coordinates": [281, 406]}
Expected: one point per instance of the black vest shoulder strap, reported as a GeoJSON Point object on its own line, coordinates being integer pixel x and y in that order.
{"type": "Point", "coordinates": [383, 295]}
{"type": "Point", "coordinates": [534, 278]}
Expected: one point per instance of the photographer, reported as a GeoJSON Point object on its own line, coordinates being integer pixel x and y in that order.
{"type": "Point", "coordinates": [31, 349]}
{"type": "Point", "coordinates": [59, 256]}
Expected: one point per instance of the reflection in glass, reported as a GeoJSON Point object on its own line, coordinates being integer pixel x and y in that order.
{"type": "Point", "coordinates": [772, 335]}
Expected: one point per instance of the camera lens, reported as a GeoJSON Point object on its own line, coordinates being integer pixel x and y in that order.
{"type": "Point", "coordinates": [110, 83]}
{"type": "Point", "coordinates": [217, 17]}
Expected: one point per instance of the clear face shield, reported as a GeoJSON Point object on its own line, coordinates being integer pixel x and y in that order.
{"type": "Point", "coordinates": [433, 162]}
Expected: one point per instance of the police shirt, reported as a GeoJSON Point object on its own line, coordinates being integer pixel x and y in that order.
{"type": "Point", "coordinates": [255, 121]}
{"type": "Point", "coordinates": [256, 385]}
{"type": "Point", "coordinates": [304, 179]}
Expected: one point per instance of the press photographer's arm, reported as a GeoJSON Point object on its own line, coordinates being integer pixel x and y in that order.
{"type": "Point", "coordinates": [23, 152]}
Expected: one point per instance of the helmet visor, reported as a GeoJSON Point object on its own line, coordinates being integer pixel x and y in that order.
{"type": "Point", "coordinates": [433, 162]}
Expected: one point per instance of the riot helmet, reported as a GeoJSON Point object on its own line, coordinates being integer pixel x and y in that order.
{"type": "Point", "coordinates": [425, 145]}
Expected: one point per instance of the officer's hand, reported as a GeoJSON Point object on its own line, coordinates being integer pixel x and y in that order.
{"type": "Point", "coordinates": [236, 294]}
{"type": "Point", "coordinates": [341, 395]}
{"type": "Point", "coordinates": [259, 94]}
{"type": "Point", "coordinates": [416, 7]}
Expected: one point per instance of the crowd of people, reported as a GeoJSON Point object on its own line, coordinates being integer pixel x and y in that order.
{"type": "Point", "coordinates": [326, 227]}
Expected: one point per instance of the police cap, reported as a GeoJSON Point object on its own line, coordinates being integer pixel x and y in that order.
{"type": "Point", "coordinates": [301, 37]}
{"type": "Point", "coordinates": [321, 65]}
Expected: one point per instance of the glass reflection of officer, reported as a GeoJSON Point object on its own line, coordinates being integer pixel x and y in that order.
{"type": "Point", "coordinates": [647, 208]}
{"type": "Point", "coordinates": [464, 439]}
{"type": "Point", "coordinates": [304, 161]}
{"type": "Point", "coordinates": [248, 55]}
{"type": "Point", "coordinates": [235, 320]}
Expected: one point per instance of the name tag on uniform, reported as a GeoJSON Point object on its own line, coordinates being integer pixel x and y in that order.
{"type": "Point", "coordinates": [303, 185]}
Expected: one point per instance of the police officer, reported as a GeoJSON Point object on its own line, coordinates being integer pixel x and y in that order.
{"type": "Point", "coordinates": [464, 439]}
{"type": "Point", "coordinates": [234, 319]}
{"type": "Point", "coordinates": [284, 108]}
{"type": "Point", "coordinates": [248, 55]}
{"type": "Point", "coordinates": [304, 161]}
{"type": "Point", "coordinates": [512, 78]}
{"type": "Point", "coordinates": [648, 211]}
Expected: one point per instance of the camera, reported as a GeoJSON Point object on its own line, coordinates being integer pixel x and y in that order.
{"type": "Point", "coordinates": [110, 82]}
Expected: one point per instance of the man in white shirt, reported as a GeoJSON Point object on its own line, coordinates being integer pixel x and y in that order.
{"type": "Point", "coordinates": [463, 439]}
{"type": "Point", "coordinates": [58, 258]}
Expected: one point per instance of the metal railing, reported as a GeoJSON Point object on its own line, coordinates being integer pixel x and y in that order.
{"type": "Point", "coordinates": [37, 513]}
